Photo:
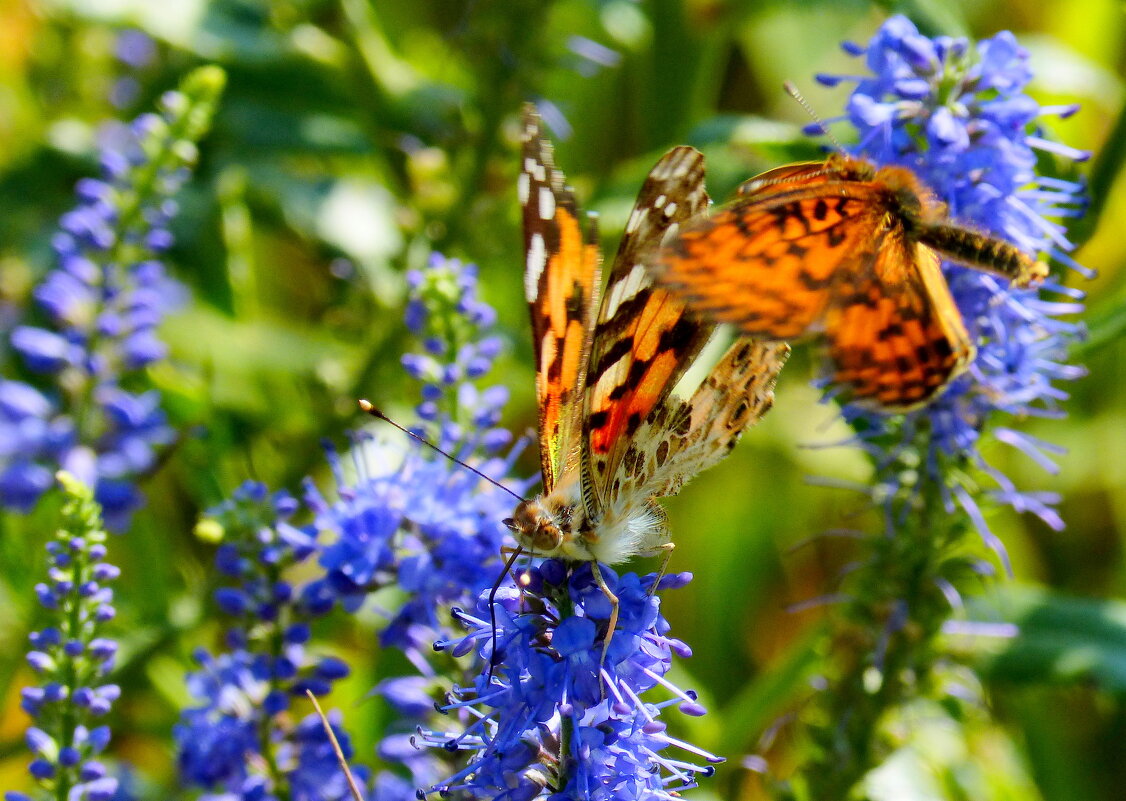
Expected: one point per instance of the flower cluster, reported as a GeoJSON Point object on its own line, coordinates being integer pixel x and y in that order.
{"type": "Point", "coordinates": [957, 115]}
{"type": "Point", "coordinates": [238, 744]}
{"type": "Point", "coordinates": [246, 691]}
{"type": "Point", "coordinates": [397, 517]}
{"type": "Point", "coordinates": [453, 325]}
{"type": "Point", "coordinates": [136, 51]}
{"type": "Point", "coordinates": [403, 517]}
{"type": "Point", "coordinates": [556, 716]}
{"type": "Point", "coordinates": [407, 518]}
{"type": "Point", "coordinates": [100, 308]}
{"type": "Point", "coordinates": [71, 659]}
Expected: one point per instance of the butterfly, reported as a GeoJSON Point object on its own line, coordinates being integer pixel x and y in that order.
{"type": "Point", "coordinates": [612, 436]}
{"type": "Point", "coordinates": [851, 251]}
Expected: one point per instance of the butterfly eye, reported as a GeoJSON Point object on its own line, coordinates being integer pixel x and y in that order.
{"type": "Point", "coordinates": [510, 524]}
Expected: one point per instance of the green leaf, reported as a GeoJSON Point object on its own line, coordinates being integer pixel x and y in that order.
{"type": "Point", "coordinates": [1061, 640]}
{"type": "Point", "coordinates": [751, 711]}
{"type": "Point", "coordinates": [1108, 164]}
{"type": "Point", "coordinates": [1107, 324]}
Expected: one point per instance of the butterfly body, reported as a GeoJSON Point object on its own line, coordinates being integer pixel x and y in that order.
{"type": "Point", "coordinates": [558, 524]}
{"type": "Point", "coordinates": [849, 251]}
{"type": "Point", "coordinates": [612, 436]}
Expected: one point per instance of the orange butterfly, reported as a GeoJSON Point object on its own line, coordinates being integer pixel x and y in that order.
{"type": "Point", "coordinates": [851, 251]}
{"type": "Point", "coordinates": [614, 436]}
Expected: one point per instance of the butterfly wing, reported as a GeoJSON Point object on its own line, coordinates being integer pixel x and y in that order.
{"type": "Point", "coordinates": [645, 338]}
{"type": "Point", "coordinates": [562, 275]}
{"type": "Point", "coordinates": [895, 336]}
{"type": "Point", "coordinates": [842, 248]}
{"type": "Point", "coordinates": [684, 438]}
{"type": "Point", "coordinates": [769, 262]}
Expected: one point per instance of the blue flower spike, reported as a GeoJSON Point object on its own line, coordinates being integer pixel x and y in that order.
{"type": "Point", "coordinates": [241, 738]}
{"type": "Point", "coordinates": [71, 657]}
{"type": "Point", "coordinates": [102, 305]}
{"type": "Point", "coordinates": [394, 517]}
{"type": "Point", "coordinates": [956, 113]}
{"type": "Point", "coordinates": [549, 718]}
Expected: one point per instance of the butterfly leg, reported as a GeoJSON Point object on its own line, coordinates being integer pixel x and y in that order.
{"type": "Point", "coordinates": [666, 557]}
{"type": "Point", "coordinates": [513, 554]}
{"type": "Point", "coordinates": [612, 626]}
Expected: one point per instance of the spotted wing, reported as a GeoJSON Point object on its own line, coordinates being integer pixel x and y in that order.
{"type": "Point", "coordinates": [683, 438]}
{"type": "Point", "coordinates": [645, 339]}
{"type": "Point", "coordinates": [768, 263]}
{"type": "Point", "coordinates": [562, 274]}
{"type": "Point", "coordinates": [895, 336]}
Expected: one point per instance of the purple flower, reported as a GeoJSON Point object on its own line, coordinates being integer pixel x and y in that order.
{"type": "Point", "coordinates": [69, 657]}
{"type": "Point", "coordinates": [550, 719]}
{"type": "Point", "coordinates": [405, 516]}
{"type": "Point", "coordinates": [956, 114]}
{"type": "Point", "coordinates": [400, 518]}
{"type": "Point", "coordinates": [102, 304]}
{"type": "Point", "coordinates": [243, 721]}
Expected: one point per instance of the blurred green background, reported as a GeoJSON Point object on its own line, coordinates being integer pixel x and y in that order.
{"type": "Point", "coordinates": [357, 136]}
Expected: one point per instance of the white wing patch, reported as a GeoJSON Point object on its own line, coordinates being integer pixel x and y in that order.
{"type": "Point", "coordinates": [625, 290]}
{"type": "Point", "coordinates": [546, 204]}
{"type": "Point", "coordinates": [537, 261]}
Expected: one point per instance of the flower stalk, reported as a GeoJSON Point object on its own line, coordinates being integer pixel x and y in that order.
{"type": "Point", "coordinates": [100, 310]}
{"type": "Point", "coordinates": [72, 658]}
{"type": "Point", "coordinates": [956, 113]}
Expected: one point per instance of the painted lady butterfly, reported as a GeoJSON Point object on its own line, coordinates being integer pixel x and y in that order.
{"type": "Point", "coordinates": [612, 438]}
{"type": "Point", "coordinates": [846, 249]}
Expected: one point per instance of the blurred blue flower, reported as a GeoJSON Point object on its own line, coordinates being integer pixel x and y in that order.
{"type": "Point", "coordinates": [400, 517]}
{"type": "Point", "coordinates": [243, 723]}
{"type": "Point", "coordinates": [71, 659]}
{"type": "Point", "coordinates": [100, 308]}
{"type": "Point", "coordinates": [548, 720]}
{"type": "Point", "coordinates": [405, 516]}
{"type": "Point", "coordinates": [956, 113]}
{"type": "Point", "coordinates": [221, 745]}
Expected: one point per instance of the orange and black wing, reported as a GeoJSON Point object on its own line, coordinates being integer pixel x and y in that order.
{"type": "Point", "coordinates": [685, 437]}
{"type": "Point", "coordinates": [894, 334]}
{"type": "Point", "coordinates": [645, 338]}
{"type": "Point", "coordinates": [769, 263]}
{"type": "Point", "coordinates": [562, 273]}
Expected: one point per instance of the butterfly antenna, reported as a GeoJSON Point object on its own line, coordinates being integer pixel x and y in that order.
{"type": "Point", "coordinates": [793, 92]}
{"type": "Point", "coordinates": [374, 411]}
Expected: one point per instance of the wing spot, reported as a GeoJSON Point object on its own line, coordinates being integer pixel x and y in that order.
{"type": "Point", "coordinates": [536, 260]}
{"type": "Point", "coordinates": [624, 291]}
{"type": "Point", "coordinates": [635, 219]}
{"type": "Point", "coordinates": [547, 204]}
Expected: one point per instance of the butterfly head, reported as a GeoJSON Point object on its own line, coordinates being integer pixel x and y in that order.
{"type": "Point", "coordinates": [535, 527]}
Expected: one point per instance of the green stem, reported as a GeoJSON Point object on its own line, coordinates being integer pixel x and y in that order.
{"type": "Point", "coordinates": [68, 723]}
{"type": "Point", "coordinates": [566, 724]}
{"type": "Point", "coordinates": [898, 611]}
{"type": "Point", "coordinates": [278, 778]}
